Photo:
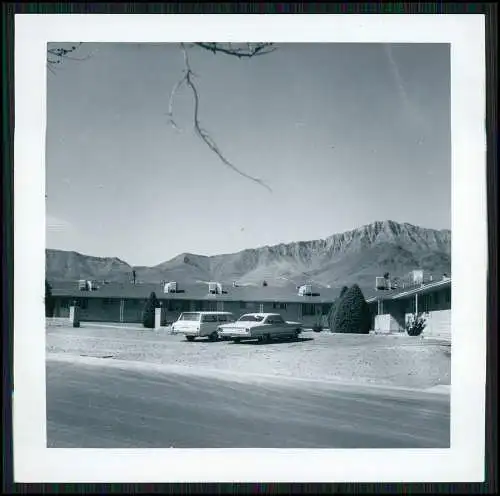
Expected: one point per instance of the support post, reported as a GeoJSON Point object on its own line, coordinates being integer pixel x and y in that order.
{"type": "Point", "coordinates": [122, 310]}
{"type": "Point", "coordinates": [74, 315]}
{"type": "Point", "coordinates": [158, 317]}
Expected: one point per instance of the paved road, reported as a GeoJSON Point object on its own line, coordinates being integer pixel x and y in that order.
{"type": "Point", "coordinates": [92, 406]}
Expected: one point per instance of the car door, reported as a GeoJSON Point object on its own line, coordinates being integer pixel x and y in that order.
{"type": "Point", "coordinates": [270, 327]}
{"type": "Point", "coordinates": [278, 326]}
{"type": "Point", "coordinates": [210, 324]}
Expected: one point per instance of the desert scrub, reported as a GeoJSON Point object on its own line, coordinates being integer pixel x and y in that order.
{"type": "Point", "coordinates": [416, 324]}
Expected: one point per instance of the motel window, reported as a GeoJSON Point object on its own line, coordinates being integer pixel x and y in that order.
{"type": "Point", "coordinates": [210, 306]}
{"type": "Point", "coordinates": [82, 303]}
{"type": "Point", "coordinates": [198, 306]}
{"type": "Point", "coordinates": [177, 305]}
{"type": "Point", "coordinates": [107, 302]}
{"type": "Point", "coordinates": [247, 304]}
{"type": "Point", "coordinates": [279, 306]}
{"type": "Point", "coordinates": [307, 309]}
{"type": "Point", "coordinates": [65, 303]}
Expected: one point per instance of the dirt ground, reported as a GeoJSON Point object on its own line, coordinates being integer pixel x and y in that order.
{"type": "Point", "coordinates": [385, 360]}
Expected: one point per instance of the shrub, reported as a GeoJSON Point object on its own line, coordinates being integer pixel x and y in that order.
{"type": "Point", "coordinates": [352, 313]}
{"type": "Point", "coordinates": [49, 300]}
{"type": "Point", "coordinates": [334, 307]}
{"type": "Point", "coordinates": [148, 316]}
{"type": "Point", "coordinates": [416, 324]}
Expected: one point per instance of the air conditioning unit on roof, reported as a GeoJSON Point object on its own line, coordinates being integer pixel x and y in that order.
{"type": "Point", "coordinates": [170, 287]}
{"type": "Point", "coordinates": [214, 288]}
{"type": "Point", "coordinates": [381, 284]}
{"type": "Point", "coordinates": [305, 289]}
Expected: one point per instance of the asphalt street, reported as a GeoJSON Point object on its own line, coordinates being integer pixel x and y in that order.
{"type": "Point", "coordinates": [90, 406]}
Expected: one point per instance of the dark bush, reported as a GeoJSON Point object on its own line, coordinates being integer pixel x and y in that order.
{"type": "Point", "coordinates": [415, 324]}
{"type": "Point", "coordinates": [334, 307]}
{"type": "Point", "coordinates": [148, 316]}
{"type": "Point", "coordinates": [49, 300]}
{"type": "Point", "coordinates": [352, 313]}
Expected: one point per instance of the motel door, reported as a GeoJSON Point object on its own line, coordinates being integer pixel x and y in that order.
{"type": "Point", "coordinates": [220, 306]}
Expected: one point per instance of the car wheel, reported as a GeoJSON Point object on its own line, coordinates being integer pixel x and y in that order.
{"type": "Point", "coordinates": [213, 337]}
{"type": "Point", "coordinates": [268, 338]}
{"type": "Point", "coordinates": [190, 338]}
{"type": "Point", "coordinates": [237, 340]}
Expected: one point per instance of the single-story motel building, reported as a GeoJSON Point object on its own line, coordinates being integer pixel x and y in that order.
{"type": "Point", "coordinates": [392, 309]}
{"type": "Point", "coordinates": [124, 303]}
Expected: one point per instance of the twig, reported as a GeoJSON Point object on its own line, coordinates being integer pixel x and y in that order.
{"type": "Point", "coordinates": [58, 55]}
{"type": "Point", "coordinates": [171, 103]}
{"type": "Point", "coordinates": [202, 133]}
{"type": "Point", "coordinates": [258, 49]}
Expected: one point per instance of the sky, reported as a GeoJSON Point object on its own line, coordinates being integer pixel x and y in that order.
{"type": "Point", "coordinates": [343, 134]}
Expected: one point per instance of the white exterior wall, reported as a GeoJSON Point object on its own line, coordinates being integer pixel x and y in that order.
{"type": "Point", "coordinates": [386, 323]}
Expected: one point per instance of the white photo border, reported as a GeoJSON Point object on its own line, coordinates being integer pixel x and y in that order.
{"type": "Point", "coordinates": [463, 462]}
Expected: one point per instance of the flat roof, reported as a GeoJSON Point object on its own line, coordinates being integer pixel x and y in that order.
{"type": "Point", "coordinates": [277, 294]}
{"type": "Point", "coordinates": [260, 294]}
{"type": "Point", "coordinates": [404, 293]}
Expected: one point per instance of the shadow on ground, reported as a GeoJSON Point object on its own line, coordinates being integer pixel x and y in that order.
{"type": "Point", "coordinates": [273, 341]}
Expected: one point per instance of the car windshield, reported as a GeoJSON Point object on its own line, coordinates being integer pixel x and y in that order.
{"type": "Point", "coordinates": [251, 318]}
{"type": "Point", "coordinates": [190, 316]}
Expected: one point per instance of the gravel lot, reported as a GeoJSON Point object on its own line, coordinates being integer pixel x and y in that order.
{"type": "Point", "coordinates": [385, 360]}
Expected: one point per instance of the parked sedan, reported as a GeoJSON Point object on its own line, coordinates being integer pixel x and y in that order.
{"type": "Point", "coordinates": [260, 326]}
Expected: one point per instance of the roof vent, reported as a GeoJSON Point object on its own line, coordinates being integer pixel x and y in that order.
{"type": "Point", "coordinates": [307, 290]}
{"type": "Point", "coordinates": [85, 285]}
{"type": "Point", "coordinates": [170, 287]}
{"type": "Point", "coordinates": [215, 288]}
{"type": "Point", "coordinates": [382, 283]}
{"type": "Point", "coordinates": [417, 277]}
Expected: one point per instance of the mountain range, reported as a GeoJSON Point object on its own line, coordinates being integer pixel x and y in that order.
{"type": "Point", "coordinates": [356, 256]}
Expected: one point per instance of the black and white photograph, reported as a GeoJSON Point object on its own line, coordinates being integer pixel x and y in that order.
{"type": "Point", "coordinates": [266, 255]}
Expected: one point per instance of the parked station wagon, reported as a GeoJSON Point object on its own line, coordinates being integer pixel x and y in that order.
{"type": "Point", "coordinates": [201, 324]}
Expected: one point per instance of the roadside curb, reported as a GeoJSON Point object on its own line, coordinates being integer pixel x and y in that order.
{"type": "Point", "coordinates": [234, 376]}
{"type": "Point", "coordinates": [440, 389]}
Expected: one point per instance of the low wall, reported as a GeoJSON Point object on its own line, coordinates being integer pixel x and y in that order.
{"type": "Point", "coordinates": [386, 323]}
{"type": "Point", "coordinates": [438, 325]}
{"type": "Point", "coordinates": [57, 322]}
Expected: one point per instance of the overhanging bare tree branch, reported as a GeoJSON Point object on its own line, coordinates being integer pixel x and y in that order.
{"type": "Point", "coordinates": [55, 56]}
{"type": "Point", "coordinates": [251, 49]}
{"type": "Point", "coordinates": [187, 79]}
